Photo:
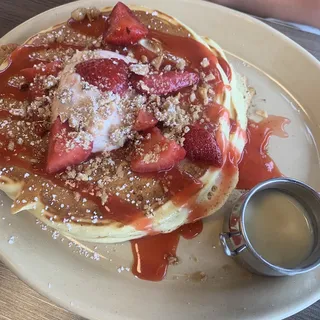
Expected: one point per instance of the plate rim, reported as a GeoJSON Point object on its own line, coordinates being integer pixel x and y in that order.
{"type": "Point", "coordinates": [279, 312]}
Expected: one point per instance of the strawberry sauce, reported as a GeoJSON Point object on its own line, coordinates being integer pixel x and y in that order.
{"type": "Point", "coordinates": [256, 165]}
{"type": "Point", "coordinates": [183, 47]}
{"type": "Point", "coordinates": [20, 59]}
{"type": "Point", "coordinates": [93, 28]}
{"type": "Point", "coordinates": [192, 51]}
{"type": "Point", "coordinates": [233, 126]}
{"type": "Point", "coordinates": [152, 254]}
{"type": "Point", "coordinates": [181, 186]}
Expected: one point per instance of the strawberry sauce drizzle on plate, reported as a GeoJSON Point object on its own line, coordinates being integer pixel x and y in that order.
{"type": "Point", "coordinates": [256, 165]}
{"type": "Point", "coordinates": [153, 254]}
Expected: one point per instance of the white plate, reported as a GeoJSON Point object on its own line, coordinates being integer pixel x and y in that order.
{"type": "Point", "coordinates": [289, 79]}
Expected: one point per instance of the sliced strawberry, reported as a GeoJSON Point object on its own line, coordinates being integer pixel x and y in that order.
{"type": "Point", "coordinates": [145, 120]}
{"type": "Point", "coordinates": [156, 153]}
{"type": "Point", "coordinates": [164, 83]}
{"type": "Point", "coordinates": [201, 145]}
{"type": "Point", "coordinates": [51, 68]}
{"type": "Point", "coordinates": [123, 27]}
{"type": "Point", "coordinates": [106, 74]}
{"type": "Point", "coordinates": [64, 149]}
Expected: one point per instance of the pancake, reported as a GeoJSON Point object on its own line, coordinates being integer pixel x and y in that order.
{"type": "Point", "coordinates": [102, 199]}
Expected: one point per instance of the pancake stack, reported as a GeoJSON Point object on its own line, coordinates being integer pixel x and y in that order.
{"type": "Point", "coordinates": [105, 198]}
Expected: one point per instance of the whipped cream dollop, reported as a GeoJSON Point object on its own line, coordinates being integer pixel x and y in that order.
{"type": "Point", "coordinates": [87, 108]}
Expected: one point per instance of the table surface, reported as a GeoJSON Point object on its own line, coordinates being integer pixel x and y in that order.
{"type": "Point", "coordinates": [17, 300]}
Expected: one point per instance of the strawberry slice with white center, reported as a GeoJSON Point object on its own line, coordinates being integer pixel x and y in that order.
{"type": "Point", "coordinates": [201, 145]}
{"type": "Point", "coordinates": [156, 153]}
{"type": "Point", "coordinates": [66, 147]}
{"type": "Point", "coordinates": [145, 120]}
{"type": "Point", "coordinates": [164, 83]}
{"type": "Point", "coordinates": [106, 74]}
{"type": "Point", "coordinates": [90, 100]}
{"type": "Point", "coordinates": [123, 27]}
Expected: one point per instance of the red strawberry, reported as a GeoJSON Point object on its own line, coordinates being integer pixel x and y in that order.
{"type": "Point", "coordinates": [164, 83]}
{"type": "Point", "coordinates": [156, 153]}
{"type": "Point", "coordinates": [64, 150]}
{"type": "Point", "coordinates": [145, 120]}
{"type": "Point", "coordinates": [106, 74]}
{"type": "Point", "coordinates": [51, 68]}
{"type": "Point", "coordinates": [201, 145]}
{"type": "Point", "coordinates": [123, 27]}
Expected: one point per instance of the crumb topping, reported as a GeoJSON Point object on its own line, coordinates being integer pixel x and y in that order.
{"type": "Point", "coordinates": [205, 63]}
{"type": "Point", "coordinates": [140, 69]}
{"type": "Point", "coordinates": [157, 62]}
{"type": "Point", "coordinates": [172, 115]}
